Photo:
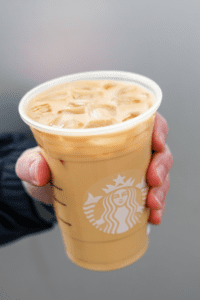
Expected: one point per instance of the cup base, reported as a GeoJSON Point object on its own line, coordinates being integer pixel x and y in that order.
{"type": "Point", "coordinates": [112, 255]}
{"type": "Point", "coordinates": [109, 267]}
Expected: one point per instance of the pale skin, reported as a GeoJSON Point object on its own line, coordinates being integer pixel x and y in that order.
{"type": "Point", "coordinates": [157, 172]}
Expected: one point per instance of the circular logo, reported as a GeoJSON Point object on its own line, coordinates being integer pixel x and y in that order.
{"type": "Point", "coordinates": [116, 209]}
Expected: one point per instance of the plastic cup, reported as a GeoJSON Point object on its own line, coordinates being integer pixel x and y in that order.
{"type": "Point", "coordinates": [99, 179]}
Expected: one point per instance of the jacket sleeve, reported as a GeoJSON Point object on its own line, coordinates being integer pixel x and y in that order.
{"type": "Point", "coordinates": [20, 214]}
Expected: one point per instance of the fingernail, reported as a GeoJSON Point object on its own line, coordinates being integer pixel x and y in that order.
{"type": "Point", "coordinates": [33, 172]}
{"type": "Point", "coordinates": [161, 195]}
{"type": "Point", "coordinates": [161, 172]}
{"type": "Point", "coordinates": [157, 198]}
{"type": "Point", "coordinates": [162, 139]}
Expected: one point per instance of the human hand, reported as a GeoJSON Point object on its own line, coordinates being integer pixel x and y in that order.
{"type": "Point", "coordinates": [32, 168]}
{"type": "Point", "coordinates": [158, 171]}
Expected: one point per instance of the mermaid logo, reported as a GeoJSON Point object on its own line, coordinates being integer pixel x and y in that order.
{"type": "Point", "coordinates": [117, 211]}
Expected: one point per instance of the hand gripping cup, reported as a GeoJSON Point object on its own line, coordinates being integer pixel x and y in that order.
{"type": "Point", "coordinates": [99, 179]}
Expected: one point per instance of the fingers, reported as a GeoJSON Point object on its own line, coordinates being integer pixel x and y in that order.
{"type": "Point", "coordinates": [32, 167]}
{"type": "Point", "coordinates": [156, 202]}
{"type": "Point", "coordinates": [156, 196]}
{"type": "Point", "coordinates": [160, 133]}
{"type": "Point", "coordinates": [155, 216]}
{"type": "Point", "coordinates": [41, 193]}
{"type": "Point", "coordinates": [159, 167]}
{"type": "Point", "coordinates": [157, 174]}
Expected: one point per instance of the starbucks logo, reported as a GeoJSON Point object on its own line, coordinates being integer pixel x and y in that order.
{"type": "Point", "coordinates": [117, 210]}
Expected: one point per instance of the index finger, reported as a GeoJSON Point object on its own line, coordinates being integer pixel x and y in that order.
{"type": "Point", "coordinates": [160, 132]}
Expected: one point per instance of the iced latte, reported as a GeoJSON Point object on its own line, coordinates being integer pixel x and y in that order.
{"type": "Point", "coordinates": [95, 131]}
{"type": "Point", "coordinates": [89, 104]}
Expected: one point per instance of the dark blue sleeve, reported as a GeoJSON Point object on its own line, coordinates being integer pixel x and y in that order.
{"type": "Point", "coordinates": [20, 215]}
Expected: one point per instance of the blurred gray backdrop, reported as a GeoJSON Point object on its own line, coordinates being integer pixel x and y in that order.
{"type": "Point", "coordinates": [41, 40]}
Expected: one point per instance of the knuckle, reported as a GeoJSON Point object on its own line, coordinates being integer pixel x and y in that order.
{"type": "Point", "coordinates": [167, 180]}
{"type": "Point", "coordinates": [165, 125]}
{"type": "Point", "coordinates": [166, 188]}
{"type": "Point", "coordinates": [168, 151]}
{"type": "Point", "coordinates": [170, 162]}
{"type": "Point", "coordinates": [163, 119]}
{"type": "Point", "coordinates": [32, 150]}
{"type": "Point", "coordinates": [163, 208]}
{"type": "Point", "coordinates": [167, 184]}
{"type": "Point", "coordinates": [168, 157]}
{"type": "Point", "coordinates": [27, 151]}
{"type": "Point", "coordinates": [32, 154]}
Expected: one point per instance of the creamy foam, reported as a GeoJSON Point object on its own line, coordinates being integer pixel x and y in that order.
{"type": "Point", "coordinates": [89, 104]}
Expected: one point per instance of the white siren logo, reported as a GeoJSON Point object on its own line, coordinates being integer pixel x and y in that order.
{"type": "Point", "coordinates": [118, 210]}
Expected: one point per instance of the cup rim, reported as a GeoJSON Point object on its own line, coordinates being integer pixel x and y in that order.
{"type": "Point", "coordinates": [122, 76]}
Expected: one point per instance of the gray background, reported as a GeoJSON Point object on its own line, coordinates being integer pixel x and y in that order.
{"type": "Point", "coordinates": [41, 40]}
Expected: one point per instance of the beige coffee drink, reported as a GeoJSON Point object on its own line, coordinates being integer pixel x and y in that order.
{"type": "Point", "coordinates": [95, 131]}
{"type": "Point", "coordinates": [89, 104]}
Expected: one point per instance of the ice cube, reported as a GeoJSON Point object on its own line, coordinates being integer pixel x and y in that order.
{"type": "Point", "coordinates": [73, 110]}
{"type": "Point", "coordinates": [57, 122]}
{"type": "Point", "coordinates": [100, 123]}
{"type": "Point", "coordinates": [96, 112]}
{"type": "Point", "coordinates": [133, 94]}
{"type": "Point", "coordinates": [78, 102]}
{"type": "Point", "coordinates": [110, 108]}
{"type": "Point", "coordinates": [131, 116]}
{"type": "Point", "coordinates": [135, 110]}
{"type": "Point", "coordinates": [43, 108]}
{"type": "Point", "coordinates": [109, 85]}
{"type": "Point", "coordinates": [127, 90]}
{"type": "Point", "coordinates": [73, 124]}
{"type": "Point", "coordinates": [86, 91]}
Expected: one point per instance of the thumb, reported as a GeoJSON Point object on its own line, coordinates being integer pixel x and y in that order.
{"type": "Point", "coordinates": [32, 167]}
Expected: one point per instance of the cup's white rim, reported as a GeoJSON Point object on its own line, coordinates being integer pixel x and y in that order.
{"type": "Point", "coordinates": [140, 80]}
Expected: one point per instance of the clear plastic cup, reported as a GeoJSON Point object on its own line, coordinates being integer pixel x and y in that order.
{"type": "Point", "coordinates": [91, 170]}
